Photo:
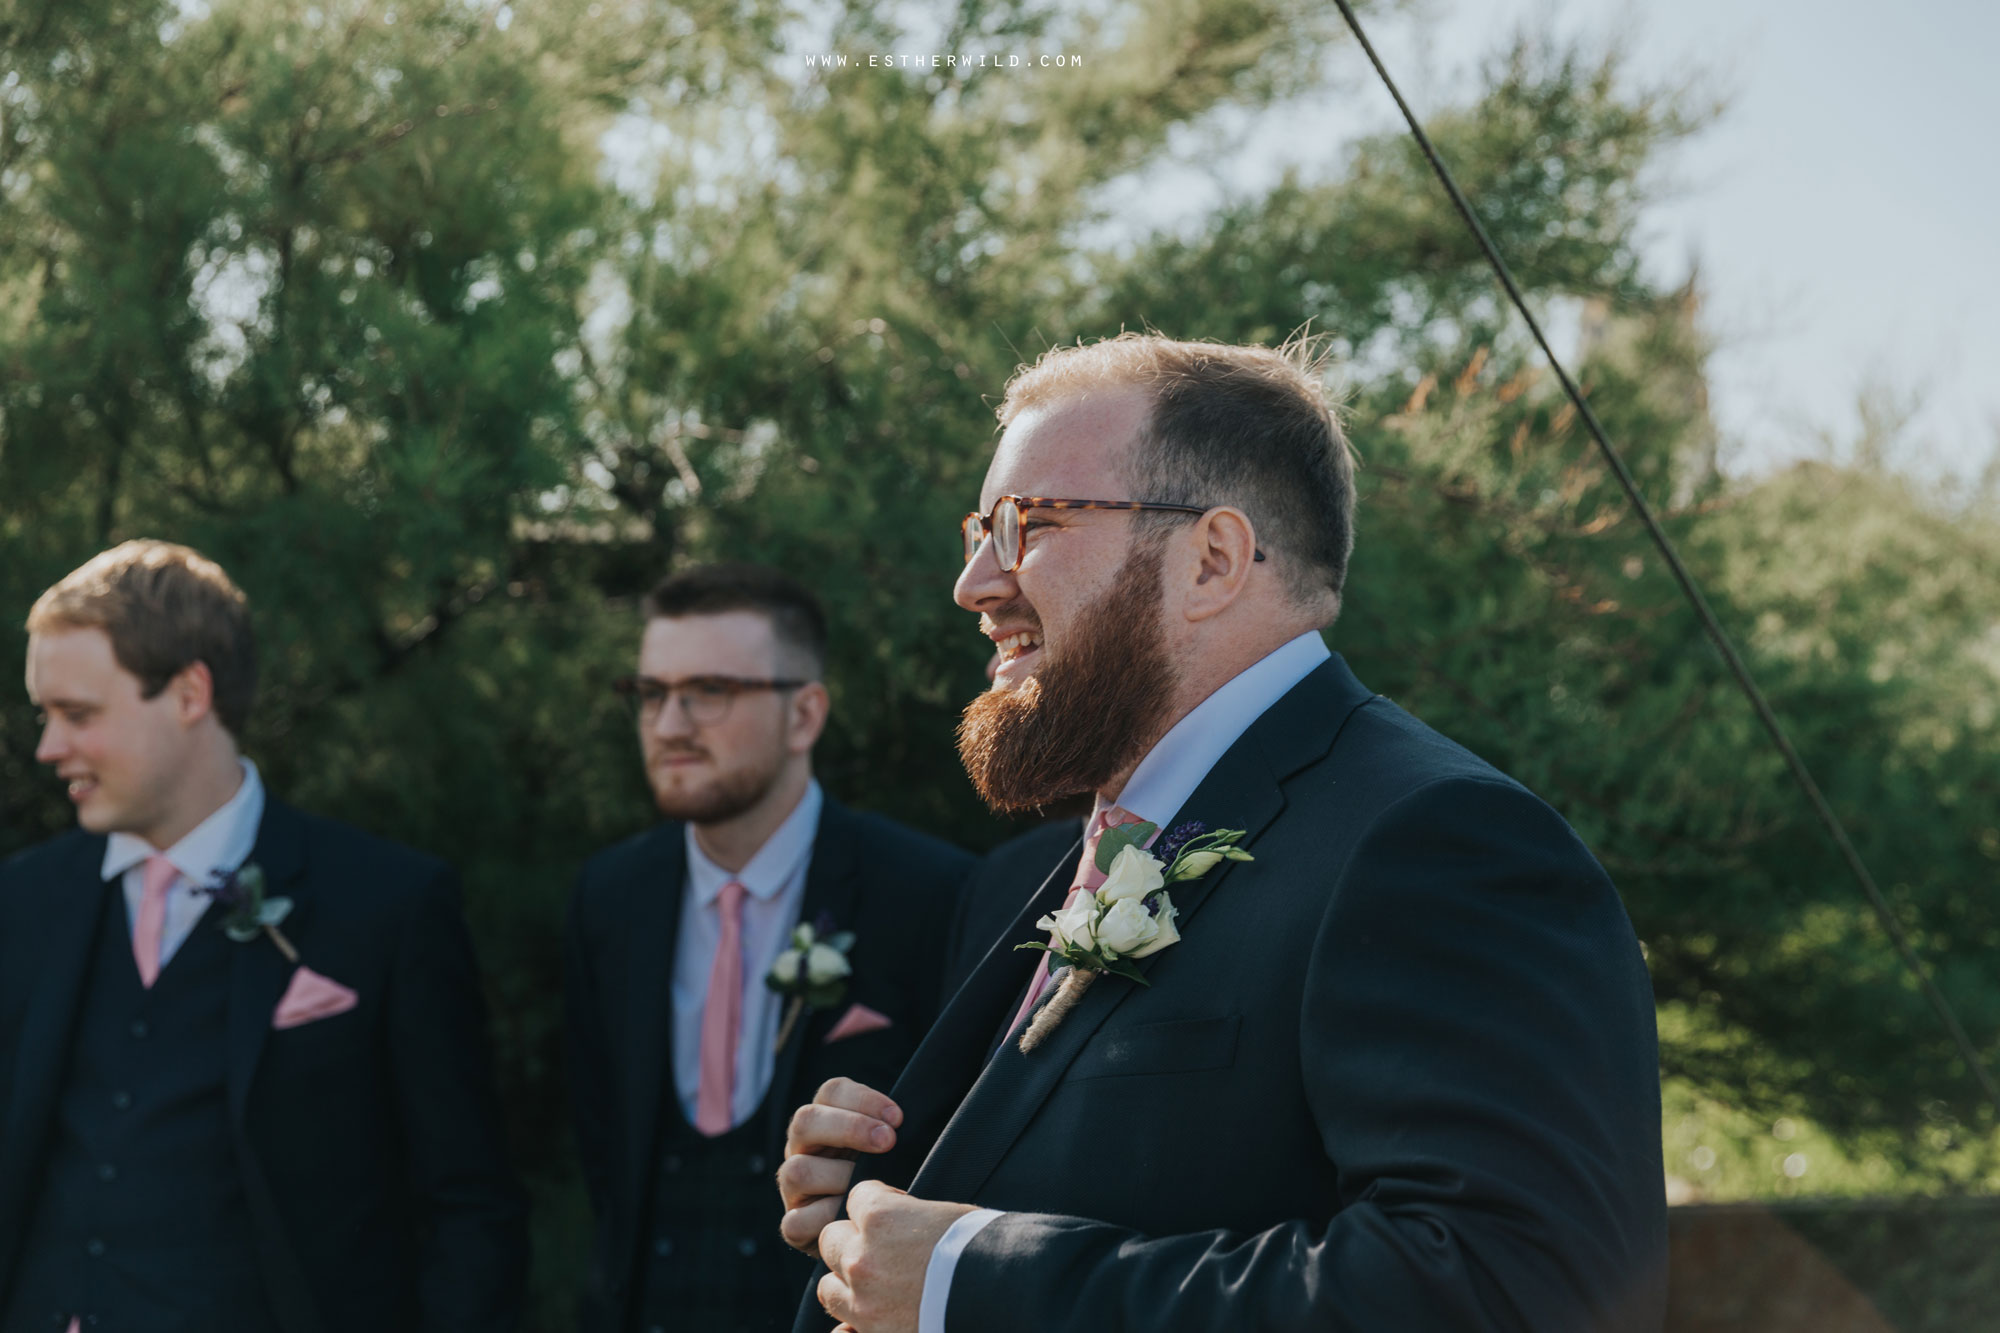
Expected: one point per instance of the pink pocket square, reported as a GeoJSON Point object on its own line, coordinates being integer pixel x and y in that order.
{"type": "Point", "coordinates": [311, 997]}
{"type": "Point", "coordinates": [858, 1019]}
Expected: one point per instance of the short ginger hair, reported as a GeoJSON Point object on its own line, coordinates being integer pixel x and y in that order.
{"type": "Point", "coordinates": [1230, 425]}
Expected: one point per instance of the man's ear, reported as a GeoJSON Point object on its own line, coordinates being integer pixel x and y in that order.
{"type": "Point", "coordinates": [807, 718]}
{"type": "Point", "coordinates": [193, 693]}
{"type": "Point", "coordinates": [1222, 548]}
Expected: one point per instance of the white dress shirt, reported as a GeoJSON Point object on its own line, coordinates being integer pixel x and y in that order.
{"type": "Point", "coordinates": [776, 880]}
{"type": "Point", "coordinates": [1158, 787]}
{"type": "Point", "coordinates": [211, 849]}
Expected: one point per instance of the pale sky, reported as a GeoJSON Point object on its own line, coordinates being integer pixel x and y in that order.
{"type": "Point", "coordinates": [1842, 210]}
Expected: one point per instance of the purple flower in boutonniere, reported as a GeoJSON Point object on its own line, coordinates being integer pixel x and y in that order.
{"type": "Point", "coordinates": [1180, 835]}
{"type": "Point", "coordinates": [247, 913]}
{"type": "Point", "coordinates": [1127, 917]}
{"type": "Point", "coordinates": [812, 971]}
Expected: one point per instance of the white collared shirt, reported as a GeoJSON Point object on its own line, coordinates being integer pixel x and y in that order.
{"type": "Point", "coordinates": [1173, 768]}
{"type": "Point", "coordinates": [210, 850]}
{"type": "Point", "coordinates": [1157, 789]}
{"type": "Point", "coordinates": [776, 880]}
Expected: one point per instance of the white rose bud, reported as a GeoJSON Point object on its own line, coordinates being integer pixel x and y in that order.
{"type": "Point", "coordinates": [1134, 874]}
{"type": "Point", "coordinates": [1196, 864]}
{"type": "Point", "coordinates": [825, 963]}
{"type": "Point", "coordinates": [1168, 933]}
{"type": "Point", "coordinates": [786, 969]}
{"type": "Point", "coordinates": [1127, 928]}
{"type": "Point", "coordinates": [1074, 925]}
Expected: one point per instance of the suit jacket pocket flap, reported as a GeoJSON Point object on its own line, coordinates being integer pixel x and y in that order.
{"type": "Point", "coordinates": [1179, 1047]}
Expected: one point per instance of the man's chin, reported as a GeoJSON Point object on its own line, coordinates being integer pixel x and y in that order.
{"type": "Point", "coordinates": [95, 815]}
{"type": "Point", "coordinates": [708, 803]}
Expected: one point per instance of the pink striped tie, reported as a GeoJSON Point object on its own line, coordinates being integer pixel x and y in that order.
{"type": "Point", "coordinates": [156, 879]}
{"type": "Point", "coordinates": [722, 1018]}
{"type": "Point", "coordinates": [1088, 877]}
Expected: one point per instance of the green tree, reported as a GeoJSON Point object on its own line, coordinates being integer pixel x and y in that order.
{"type": "Point", "coordinates": [448, 327]}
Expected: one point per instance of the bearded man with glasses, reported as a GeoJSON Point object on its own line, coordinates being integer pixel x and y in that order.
{"type": "Point", "coordinates": [684, 1064]}
{"type": "Point", "coordinates": [1386, 1062]}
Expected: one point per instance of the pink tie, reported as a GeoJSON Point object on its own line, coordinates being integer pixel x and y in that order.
{"type": "Point", "coordinates": [1088, 877]}
{"type": "Point", "coordinates": [157, 878]}
{"type": "Point", "coordinates": [722, 1018]}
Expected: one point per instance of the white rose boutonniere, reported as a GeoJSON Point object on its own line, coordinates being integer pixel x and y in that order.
{"type": "Point", "coordinates": [812, 971]}
{"type": "Point", "coordinates": [1127, 917]}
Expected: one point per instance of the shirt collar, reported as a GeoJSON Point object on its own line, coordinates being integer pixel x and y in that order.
{"type": "Point", "coordinates": [767, 874]}
{"type": "Point", "coordinates": [1175, 766]}
{"type": "Point", "coordinates": [214, 847]}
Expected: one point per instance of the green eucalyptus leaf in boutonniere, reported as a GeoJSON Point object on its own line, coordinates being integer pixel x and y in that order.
{"type": "Point", "coordinates": [1127, 917]}
{"type": "Point", "coordinates": [1117, 838]}
{"type": "Point", "coordinates": [812, 971]}
{"type": "Point", "coordinates": [247, 913]}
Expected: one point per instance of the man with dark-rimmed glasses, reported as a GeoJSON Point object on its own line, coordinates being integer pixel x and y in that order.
{"type": "Point", "coordinates": [684, 1064]}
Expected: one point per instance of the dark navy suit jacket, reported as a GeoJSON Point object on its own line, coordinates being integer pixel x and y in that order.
{"type": "Point", "coordinates": [1399, 1073]}
{"type": "Point", "coordinates": [896, 889]}
{"type": "Point", "coordinates": [368, 1144]}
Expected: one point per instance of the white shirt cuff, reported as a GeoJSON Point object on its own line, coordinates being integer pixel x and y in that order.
{"type": "Point", "coordinates": [944, 1261]}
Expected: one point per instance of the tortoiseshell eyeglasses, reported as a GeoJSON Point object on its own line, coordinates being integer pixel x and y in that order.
{"type": "Point", "coordinates": [1010, 543]}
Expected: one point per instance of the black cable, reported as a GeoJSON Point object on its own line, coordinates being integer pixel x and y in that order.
{"type": "Point", "coordinates": [1717, 636]}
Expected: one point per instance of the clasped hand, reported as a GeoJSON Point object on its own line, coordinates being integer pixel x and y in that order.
{"type": "Point", "coordinates": [876, 1258]}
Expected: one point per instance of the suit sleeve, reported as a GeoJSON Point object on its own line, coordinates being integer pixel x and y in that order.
{"type": "Point", "coordinates": [474, 1244]}
{"type": "Point", "coordinates": [1477, 1047]}
{"type": "Point", "coordinates": [587, 1058]}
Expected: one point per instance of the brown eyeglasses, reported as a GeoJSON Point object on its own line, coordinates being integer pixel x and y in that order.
{"type": "Point", "coordinates": [1003, 525]}
{"type": "Point", "coordinates": [705, 700]}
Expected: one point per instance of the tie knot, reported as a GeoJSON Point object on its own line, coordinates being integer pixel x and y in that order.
{"type": "Point", "coordinates": [1111, 817]}
{"type": "Point", "coordinates": [1088, 876]}
{"type": "Point", "coordinates": [730, 900]}
{"type": "Point", "coordinates": [157, 876]}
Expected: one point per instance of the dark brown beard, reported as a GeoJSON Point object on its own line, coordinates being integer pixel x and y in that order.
{"type": "Point", "coordinates": [725, 798]}
{"type": "Point", "coordinates": [1086, 715]}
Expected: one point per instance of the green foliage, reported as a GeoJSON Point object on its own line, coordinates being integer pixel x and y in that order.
{"type": "Point", "coordinates": [357, 307]}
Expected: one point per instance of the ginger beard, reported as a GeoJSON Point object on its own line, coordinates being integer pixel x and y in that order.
{"type": "Point", "coordinates": [1089, 713]}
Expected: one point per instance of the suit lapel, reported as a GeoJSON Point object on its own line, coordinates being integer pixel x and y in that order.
{"type": "Point", "coordinates": [951, 1056]}
{"type": "Point", "coordinates": [258, 972]}
{"type": "Point", "coordinates": [833, 881]}
{"type": "Point", "coordinates": [1243, 791]}
{"type": "Point", "coordinates": [73, 906]}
